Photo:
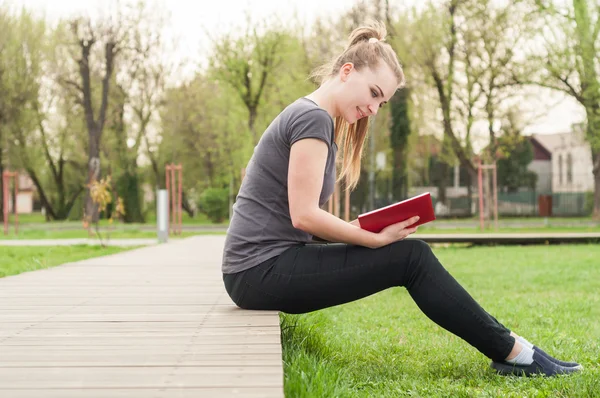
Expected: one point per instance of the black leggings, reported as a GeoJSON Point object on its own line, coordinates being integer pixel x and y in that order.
{"type": "Point", "coordinates": [309, 277]}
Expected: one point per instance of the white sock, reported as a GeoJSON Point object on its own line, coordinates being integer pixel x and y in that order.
{"type": "Point", "coordinates": [525, 342]}
{"type": "Point", "coordinates": [525, 357]}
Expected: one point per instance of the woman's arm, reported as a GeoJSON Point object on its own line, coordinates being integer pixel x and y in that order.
{"type": "Point", "coordinates": [308, 158]}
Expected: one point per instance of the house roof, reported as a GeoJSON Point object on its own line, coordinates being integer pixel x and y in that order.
{"type": "Point", "coordinates": [539, 151]}
{"type": "Point", "coordinates": [553, 142]}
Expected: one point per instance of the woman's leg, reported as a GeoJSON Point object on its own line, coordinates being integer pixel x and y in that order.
{"type": "Point", "coordinates": [311, 277]}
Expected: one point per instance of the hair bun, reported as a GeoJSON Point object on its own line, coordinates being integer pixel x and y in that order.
{"type": "Point", "coordinates": [371, 33]}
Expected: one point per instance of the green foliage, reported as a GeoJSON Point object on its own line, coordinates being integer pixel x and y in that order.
{"type": "Point", "coordinates": [589, 203]}
{"type": "Point", "coordinates": [214, 202]}
{"type": "Point", "coordinates": [399, 133]}
{"type": "Point", "coordinates": [101, 193]}
{"type": "Point", "coordinates": [128, 188]}
{"type": "Point", "coordinates": [516, 153]}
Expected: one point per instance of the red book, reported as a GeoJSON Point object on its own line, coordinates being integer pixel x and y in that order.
{"type": "Point", "coordinates": [378, 219]}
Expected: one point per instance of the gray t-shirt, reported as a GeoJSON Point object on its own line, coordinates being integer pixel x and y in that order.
{"type": "Point", "coordinates": [261, 227]}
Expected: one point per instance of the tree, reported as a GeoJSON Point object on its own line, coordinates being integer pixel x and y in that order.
{"type": "Point", "coordinates": [515, 153]}
{"type": "Point", "coordinates": [111, 36]}
{"type": "Point", "coordinates": [247, 63]}
{"type": "Point", "coordinates": [136, 100]}
{"type": "Point", "coordinates": [201, 122]}
{"type": "Point", "coordinates": [5, 23]}
{"type": "Point", "coordinates": [399, 133]}
{"type": "Point", "coordinates": [431, 44]}
{"type": "Point", "coordinates": [37, 146]}
{"type": "Point", "coordinates": [570, 62]}
{"type": "Point", "coordinates": [494, 33]}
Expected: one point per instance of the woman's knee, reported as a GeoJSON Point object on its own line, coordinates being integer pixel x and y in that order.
{"type": "Point", "coordinates": [413, 249]}
{"type": "Point", "coordinates": [409, 258]}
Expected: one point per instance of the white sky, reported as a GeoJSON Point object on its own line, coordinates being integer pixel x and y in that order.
{"type": "Point", "coordinates": [190, 20]}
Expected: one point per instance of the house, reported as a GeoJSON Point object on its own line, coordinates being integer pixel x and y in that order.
{"type": "Point", "coordinates": [563, 162]}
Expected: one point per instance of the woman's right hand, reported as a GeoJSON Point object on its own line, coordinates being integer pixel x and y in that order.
{"type": "Point", "coordinates": [395, 232]}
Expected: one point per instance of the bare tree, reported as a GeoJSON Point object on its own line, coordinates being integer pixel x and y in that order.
{"type": "Point", "coordinates": [111, 36]}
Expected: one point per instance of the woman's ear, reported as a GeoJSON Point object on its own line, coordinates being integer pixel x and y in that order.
{"type": "Point", "coordinates": [345, 71]}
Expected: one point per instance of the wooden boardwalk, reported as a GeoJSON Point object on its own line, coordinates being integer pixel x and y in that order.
{"type": "Point", "coordinates": [151, 322]}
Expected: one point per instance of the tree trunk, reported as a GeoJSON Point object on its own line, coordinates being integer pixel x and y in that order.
{"type": "Point", "coordinates": [596, 212]}
{"type": "Point", "coordinates": [470, 178]}
{"type": "Point", "coordinates": [399, 133]}
{"type": "Point", "coordinates": [1, 188]}
{"type": "Point", "coordinates": [91, 209]}
{"type": "Point", "coordinates": [251, 121]}
{"type": "Point", "coordinates": [50, 214]}
{"type": "Point", "coordinates": [185, 205]}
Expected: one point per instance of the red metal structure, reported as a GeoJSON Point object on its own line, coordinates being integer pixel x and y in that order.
{"type": "Point", "coordinates": [6, 175]}
{"type": "Point", "coordinates": [480, 169]}
{"type": "Point", "coordinates": [173, 185]}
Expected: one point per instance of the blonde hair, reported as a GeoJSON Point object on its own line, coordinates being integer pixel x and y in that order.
{"type": "Point", "coordinates": [366, 48]}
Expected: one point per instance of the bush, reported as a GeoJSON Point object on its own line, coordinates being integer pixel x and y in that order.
{"type": "Point", "coordinates": [589, 203]}
{"type": "Point", "coordinates": [214, 202]}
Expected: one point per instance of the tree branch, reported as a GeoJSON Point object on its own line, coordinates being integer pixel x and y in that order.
{"type": "Point", "coordinates": [597, 27]}
{"type": "Point", "coordinates": [68, 82]}
{"type": "Point", "coordinates": [110, 51]}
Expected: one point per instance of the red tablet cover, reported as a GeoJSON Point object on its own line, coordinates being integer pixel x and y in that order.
{"type": "Point", "coordinates": [378, 219]}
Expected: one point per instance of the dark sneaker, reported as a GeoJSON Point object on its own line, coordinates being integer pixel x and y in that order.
{"type": "Point", "coordinates": [540, 366]}
{"type": "Point", "coordinates": [557, 361]}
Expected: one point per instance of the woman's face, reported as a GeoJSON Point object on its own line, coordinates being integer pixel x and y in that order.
{"type": "Point", "coordinates": [364, 92]}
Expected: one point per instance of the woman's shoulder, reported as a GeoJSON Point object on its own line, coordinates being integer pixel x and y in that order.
{"type": "Point", "coordinates": [306, 109]}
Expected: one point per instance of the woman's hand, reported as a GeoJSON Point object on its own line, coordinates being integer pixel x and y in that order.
{"type": "Point", "coordinates": [395, 232]}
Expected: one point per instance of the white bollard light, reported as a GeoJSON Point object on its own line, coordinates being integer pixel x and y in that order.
{"type": "Point", "coordinates": [162, 215]}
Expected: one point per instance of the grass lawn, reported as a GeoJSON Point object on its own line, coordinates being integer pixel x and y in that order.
{"type": "Point", "coordinates": [38, 218]}
{"type": "Point", "coordinates": [505, 230]}
{"type": "Point", "coordinates": [384, 346]}
{"type": "Point", "coordinates": [120, 233]}
{"type": "Point", "coordinates": [15, 260]}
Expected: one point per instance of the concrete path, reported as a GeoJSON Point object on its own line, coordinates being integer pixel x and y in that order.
{"type": "Point", "coordinates": [151, 322]}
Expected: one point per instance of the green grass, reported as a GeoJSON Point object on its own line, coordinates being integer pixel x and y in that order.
{"type": "Point", "coordinates": [505, 230]}
{"type": "Point", "coordinates": [384, 346]}
{"type": "Point", "coordinates": [38, 218]}
{"type": "Point", "coordinates": [42, 233]}
{"type": "Point", "coordinates": [15, 260]}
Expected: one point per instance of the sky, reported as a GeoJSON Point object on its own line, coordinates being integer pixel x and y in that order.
{"type": "Point", "coordinates": [189, 22]}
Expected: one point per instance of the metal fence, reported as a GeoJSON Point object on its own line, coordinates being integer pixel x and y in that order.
{"type": "Point", "coordinates": [551, 197]}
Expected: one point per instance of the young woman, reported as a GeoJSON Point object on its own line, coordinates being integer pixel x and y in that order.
{"type": "Point", "coordinates": [269, 261]}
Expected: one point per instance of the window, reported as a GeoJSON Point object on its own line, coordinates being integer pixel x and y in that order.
{"type": "Point", "coordinates": [569, 169]}
{"type": "Point", "coordinates": [560, 169]}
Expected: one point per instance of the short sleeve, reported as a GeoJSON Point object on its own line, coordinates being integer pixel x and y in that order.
{"type": "Point", "coordinates": [315, 123]}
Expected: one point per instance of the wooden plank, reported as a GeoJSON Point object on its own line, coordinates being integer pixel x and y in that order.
{"type": "Point", "coordinates": [101, 358]}
{"type": "Point", "coordinates": [152, 322]}
{"type": "Point", "coordinates": [146, 377]}
{"type": "Point", "coordinates": [102, 329]}
{"type": "Point", "coordinates": [170, 392]}
{"type": "Point", "coordinates": [133, 340]}
{"type": "Point", "coordinates": [200, 309]}
{"type": "Point", "coordinates": [199, 349]}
